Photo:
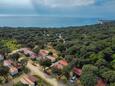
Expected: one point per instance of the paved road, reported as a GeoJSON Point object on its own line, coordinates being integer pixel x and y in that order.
{"type": "Point", "coordinates": [49, 80]}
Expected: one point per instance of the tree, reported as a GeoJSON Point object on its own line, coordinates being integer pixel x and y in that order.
{"type": "Point", "coordinates": [68, 58]}
{"type": "Point", "coordinates": [23, 61]}
{"type": "Point", "coordinates": [50, 53]}
{"type": "Point", "coordinates": [36, 50]}
{"type": "Point", "coordinates": [109, 76]}
{"type": "Point", "coordinates": [81, 62]}
{"type": "Point", "coordinates": [1, 80]}
{"type": "Point", "coordinates": [46, 63]}
{"type": "Point", "coordinates": [102, 69]}
{"type": "Point", "coordinates": [56, 71]}
{"type": "Point", "coordinates": [90, 69]}
{"type": "Point", "coordinates": [108, 54]}
{"type": "Point", "coordinates": [113, 56]}
{"type": "Point", "coordinates": [113, 64]}
{"type": "Point", "coordinates": [88, 79]}
{"type": "Point", "coordinates": [72, 50]}
{"type": "Point", "coordinates": [60, 47]}
{"type": "Point", "coordinates": [96, 56]}
{"type": "Point", "coordinates": [101, 62]}
{"type": "Point", "coordinates": [4, 72]}
{"type": "Point", "coordinates": [112, 84]}
{"type": "Point", "coordinates": [15, 56]}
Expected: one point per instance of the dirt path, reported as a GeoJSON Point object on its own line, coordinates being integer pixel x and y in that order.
{"type": "Point", "coordinates": [36, 71]}
{"type": "Point", "coordinates": [13, 81]}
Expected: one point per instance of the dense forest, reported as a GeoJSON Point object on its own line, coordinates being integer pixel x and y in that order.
{"type": "Point", "coordinates": [90, 47]}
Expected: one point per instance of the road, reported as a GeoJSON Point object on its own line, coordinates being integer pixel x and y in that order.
{"type": "Point", "coordinates": [51, 81]}
{"type": "Point", "coordinates": [13, 81]}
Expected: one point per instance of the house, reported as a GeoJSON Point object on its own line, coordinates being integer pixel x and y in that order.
{"type": "Point", "coordinates": [100, 82]}
{"type": "Point", "coordinates": [7, 63]}
{"type": "Point", "coordinates": [33, 55]}
{"type": "Point", "coordinates": [1, 57]}
{"type": "Point", "coordinates": [27, 51]}
{"type": "Point", "coordinates": [29, 80]}
{"type": "Point", "coordinates": [43, 53]}
{"type": "Point", "coordinates": [60, 64]}
{"type": "Point", "coordinates": [13, 70]}
{"type": "Point", "coordinates": [77, 71]}
{"type": "Point", "coordinates": [53, 59]}
{"type": "Point", "coordinates": [17, 65]}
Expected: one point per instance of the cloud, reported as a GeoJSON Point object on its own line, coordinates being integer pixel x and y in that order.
{"type": "Point", "coordinates": [64, 3]}
{"type": "Point", "coordinates": [15, 3]}
{"type": "Point", "coordinates": [71, 8]}
{"type": "Point", "coordinates": [16, 7]}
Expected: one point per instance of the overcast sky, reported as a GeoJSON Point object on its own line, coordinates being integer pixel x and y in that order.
{"type": "Point", "coordinates": [70, 8]}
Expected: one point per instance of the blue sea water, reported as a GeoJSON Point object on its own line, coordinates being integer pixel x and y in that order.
{"type": "Point", "coordinates": [37, 21]}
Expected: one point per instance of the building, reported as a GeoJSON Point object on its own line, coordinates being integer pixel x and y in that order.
{"type": "Point", "coordinates": [27, 51]}
{"type": "Point", "coordinates": [60, 64]}
{"type": "Point", "coordinates": [77, 71]}
{"type": "Point", "coordinates": [29, 80]}
{"type": "Point", "coordinates": [13, 70]}
{"type": "Point", "coordinates": [7, 63]}
{"type": "Point", "coordinates": [43, 53]}
{"type": "Point", "coordinates": [53, 59]}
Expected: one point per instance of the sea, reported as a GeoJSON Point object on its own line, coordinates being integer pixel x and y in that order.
{"type": "Point", "coordinates": [38, 21]}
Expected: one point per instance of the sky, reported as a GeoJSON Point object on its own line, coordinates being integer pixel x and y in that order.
{"type": "Point", "coordinates": [61, 8]}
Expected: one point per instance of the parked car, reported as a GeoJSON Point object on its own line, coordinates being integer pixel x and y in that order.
{"type": "Point", "coordinates": [73, 79]}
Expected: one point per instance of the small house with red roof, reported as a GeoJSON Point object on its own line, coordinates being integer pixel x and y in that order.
{"type": "Point", "coordinates": [27, 51]}
{"type": "Point", "coordinates": [53, 59]}
{"type": "Point", "coordinates": [7, 63]}
{"type": "Point", "coordinates": [77, 71]}
{"type": "Point", "coordinates": [43, 53]}
{"type": "Point", "coordinates": [29, 80]}
{"type": "Point", "coordinates": [13, 70]}
{"type": "Point", "coordinates": [60, 64]}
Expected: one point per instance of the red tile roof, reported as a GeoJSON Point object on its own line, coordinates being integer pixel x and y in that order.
{"type": "Point", "coordinates": [60, 64]}
{"type": "Point", "coordinates": [32, 78]}
{"type": "Point", "coordinates": [29, 79]}
{"type": "Point", "coordinates": [63, 62]}
{"type": "Point", "coordinates": [51, 58]}
{"type": "Point", "coordinates": [101, 82]}
{"type": "Point", "coordinates": [78, 71]}
{"type": "Point", "coordinates": [43, 52]}
{"type": "Point", "coordinates": [7, 62]}
{"type": "Point", "coordinates": [13, 69]}
{"type": "Point", "coordinates": [28, 51]}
